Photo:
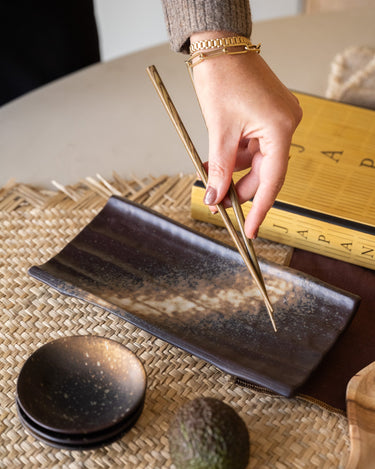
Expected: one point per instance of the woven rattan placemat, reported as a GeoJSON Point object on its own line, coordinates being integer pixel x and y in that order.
{"type": "Point", "coordinates": [35, 225]}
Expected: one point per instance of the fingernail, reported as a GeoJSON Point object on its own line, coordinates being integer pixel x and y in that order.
{"type": "Point", "coordinates": [210, 196]}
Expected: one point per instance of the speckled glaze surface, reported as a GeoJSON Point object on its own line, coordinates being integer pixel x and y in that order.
{"type": "Point", "coordinates": [196, 293]}
{"type": "Point", "coordinates": [80, 389]}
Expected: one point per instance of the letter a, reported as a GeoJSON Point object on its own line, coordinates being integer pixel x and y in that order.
{"type": "Point", "coordinates": [331, 155]}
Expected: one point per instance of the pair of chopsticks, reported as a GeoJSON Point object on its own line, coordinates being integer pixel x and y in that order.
{"type": "Point", "coordinates": [244, 245]}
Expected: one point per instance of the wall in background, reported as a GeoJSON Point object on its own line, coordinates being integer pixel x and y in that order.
{"type": "Point", "coordinates": [126, 27]}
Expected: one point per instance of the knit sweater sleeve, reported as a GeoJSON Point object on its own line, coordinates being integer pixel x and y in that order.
{"type": "Point", "coordinates": [185, 17]}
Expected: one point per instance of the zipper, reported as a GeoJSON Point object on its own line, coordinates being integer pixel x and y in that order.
{"type": "Point", "coordinates": [303, 397]}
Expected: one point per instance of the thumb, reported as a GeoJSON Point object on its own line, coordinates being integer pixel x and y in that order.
{"type": "Point", "coordinates": [221, 161]}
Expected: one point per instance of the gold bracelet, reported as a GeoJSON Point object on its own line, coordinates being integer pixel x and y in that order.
{"type": "Point", "coordinates": [199, 57]}
{"type": "Point", "coordinates": [219, 43]}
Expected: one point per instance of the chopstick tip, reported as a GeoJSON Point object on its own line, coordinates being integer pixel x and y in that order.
{"type": "Point", "coordinates": [270, 313]}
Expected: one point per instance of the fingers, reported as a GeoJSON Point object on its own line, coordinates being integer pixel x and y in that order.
{"type": "Point", "coordinates": [267, 157]}
{"type": "Point", "coordinates": [222, 158]}
{"type": "Point", "coordinates": [247, 186]}
{"type": "Point", "coordinates": [270, 174]}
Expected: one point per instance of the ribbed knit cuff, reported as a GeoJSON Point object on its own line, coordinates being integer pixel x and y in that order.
{"type": "Point", "coordinates": [185, 17]}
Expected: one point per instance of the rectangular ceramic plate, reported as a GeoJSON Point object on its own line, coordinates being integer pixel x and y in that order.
{"type": "Point", "coordinates": [196, 293]}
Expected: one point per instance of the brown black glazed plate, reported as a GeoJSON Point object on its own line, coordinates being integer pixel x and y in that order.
{"type": "Point", "coordinates": [196, 293]}
{"type": "Point", "coordinates": [81, 389]}
{"type": "Point", "coordinates": [82, 441]}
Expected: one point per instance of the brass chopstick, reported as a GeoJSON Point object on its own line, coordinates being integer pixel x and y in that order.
{"type": "Point", "coordinates": [244, 246]}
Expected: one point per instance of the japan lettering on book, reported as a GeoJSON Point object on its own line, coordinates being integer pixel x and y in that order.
{"type": "Point", "coordinates": [336, 156]}
{"type": "Point", "coordinates": [326, 238]}
{"type": "Point", "coordinates": [333, 155]}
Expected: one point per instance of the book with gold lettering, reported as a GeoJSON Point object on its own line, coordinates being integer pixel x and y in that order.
{"type": "Point", "coordinates": [327, 203]}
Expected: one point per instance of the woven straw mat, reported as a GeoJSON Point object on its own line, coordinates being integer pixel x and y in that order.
{"type": "Point", "coordinates": [35, 225]}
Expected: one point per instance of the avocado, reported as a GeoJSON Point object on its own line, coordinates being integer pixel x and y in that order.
{"type": "Point", "coordinates": [206, 433]}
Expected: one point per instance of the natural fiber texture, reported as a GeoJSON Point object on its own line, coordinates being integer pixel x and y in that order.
{"type": "Point", "coordinates": [35, 225]}
{"type": "Point", "coordinates": [352, 77]}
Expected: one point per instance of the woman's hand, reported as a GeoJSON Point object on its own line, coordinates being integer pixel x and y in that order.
{"type": "Point", "coordinates": [251, 117]}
